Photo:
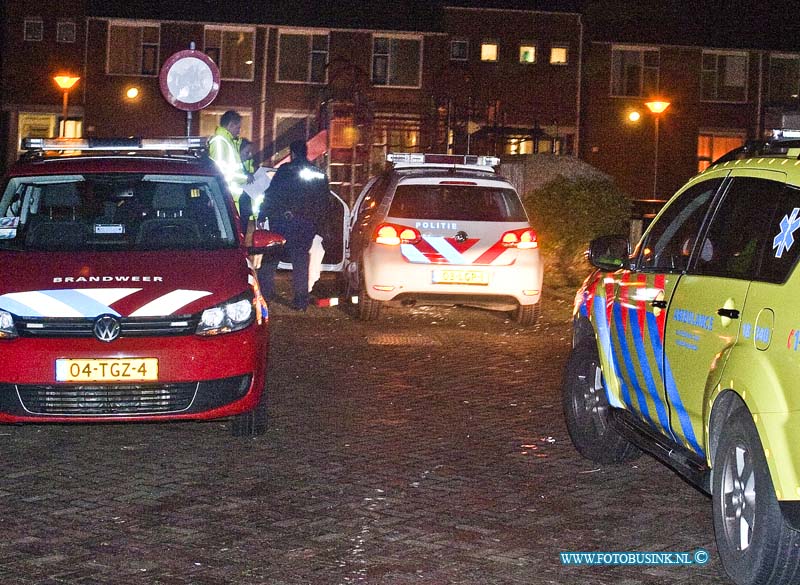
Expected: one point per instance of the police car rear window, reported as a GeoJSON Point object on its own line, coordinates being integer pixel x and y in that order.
{"type": "Point", "coordinates": [114, 212]}
{"type": "Point", "coordinates": [457, 202]}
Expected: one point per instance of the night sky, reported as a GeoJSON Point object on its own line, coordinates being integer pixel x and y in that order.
{"type": "Point", "coordinates": [767, 24]}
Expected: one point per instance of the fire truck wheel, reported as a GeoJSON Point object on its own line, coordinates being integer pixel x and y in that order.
{"type": "Point", "coordinates": [586, 410]}
{"type": "Point", "coordinates": [253, 423]}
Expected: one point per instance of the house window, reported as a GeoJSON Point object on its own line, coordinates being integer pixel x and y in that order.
{"type": "Point", "coordinates": [712, 145]}
{"type": "Point", "coordinates": [634, 71]}
{"type": "Point", "coordinates": [133, 49]}
{"type": "Point", "coordinates": [303, 57]}
{"type": "Point", "coordinates": [784, 78]}
{"type": "Point", "coordinates": [34, 29]}
{"type": "Point", "coordinates": [559, 55]}
{"type": "Point", "coordinates": [209, 120]}
{"type": "Point", "coordinates": [527, 53]}
{"type": "Point", "coordinates": [233, 50]}
{"type": "Point", "coordinates": [290, 126]}
{"type": "Point", "coordinates": [490, 51]}
{"type": "Point", "coordinates": [65, 31]}
{"type": "Point", "coordinates": [396, 61]}
{"type": "Point", "coordinates": [724, 76]}
{"type": "Point", "coordinates": [459, 50]}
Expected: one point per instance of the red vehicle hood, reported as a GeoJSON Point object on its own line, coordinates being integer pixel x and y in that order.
{"type": "Point", "coordinates": [128, 284]}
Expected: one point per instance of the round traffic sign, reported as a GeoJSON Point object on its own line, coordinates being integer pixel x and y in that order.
{"type": "Point", "coordinates": [189, 80]}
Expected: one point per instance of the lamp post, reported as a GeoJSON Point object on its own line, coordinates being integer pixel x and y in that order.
{"type": "Point", "coordinates": [657, 107]}
{"type": "Point", "coordinates": [65, 82]}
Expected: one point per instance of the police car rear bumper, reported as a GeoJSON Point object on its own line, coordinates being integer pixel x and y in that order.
{"type": "Point", "coordinates": [389, 277]}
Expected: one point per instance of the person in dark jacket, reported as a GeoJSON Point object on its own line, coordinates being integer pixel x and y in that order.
{"type": "Point", "coordinates": [295, 204]}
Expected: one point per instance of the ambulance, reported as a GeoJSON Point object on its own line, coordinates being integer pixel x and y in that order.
{"type": "Point", "coordinates": [125, 290]}
{"type": "Point", "coordinates": [688, 348]}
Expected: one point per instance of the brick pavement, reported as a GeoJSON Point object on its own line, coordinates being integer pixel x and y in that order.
{"type": "Point", "coordinates": [425, 448]}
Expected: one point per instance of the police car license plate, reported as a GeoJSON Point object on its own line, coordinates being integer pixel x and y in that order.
{"type": "Point", "coordinates": [107, 370]}
{"type": "Point", "coordinates": [460, 277]}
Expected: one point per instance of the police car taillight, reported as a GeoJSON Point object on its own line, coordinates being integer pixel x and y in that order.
{"type": "Point", "coordinates": [523, 239]}
{"type": "Point", "coordinates": [391, 234]}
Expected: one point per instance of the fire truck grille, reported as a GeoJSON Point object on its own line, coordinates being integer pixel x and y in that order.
{"type": "Point", "coordinates": [107, 400]}
{"type": "Point", "coordinates": [130, 326]}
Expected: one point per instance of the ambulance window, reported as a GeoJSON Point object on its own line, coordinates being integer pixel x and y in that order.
{"type": "Point", "coordinates": [670, 240]}
{"type": "Point", "coordinates": [740, 229]}
{"type": "Point", "coordinates": [781, 248]}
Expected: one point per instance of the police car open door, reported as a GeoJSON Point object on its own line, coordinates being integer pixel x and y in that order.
{"type": "Point", "coordinates": [334, 235]}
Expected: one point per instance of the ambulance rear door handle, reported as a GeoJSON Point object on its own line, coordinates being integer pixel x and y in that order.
{"type": "Point", "coordinates": [729, 313]}
{"type": "Point", "coordinates": [659, 304]}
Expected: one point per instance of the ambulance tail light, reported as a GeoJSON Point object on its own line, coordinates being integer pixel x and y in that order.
{"type": "Point", "coordinates": [391, 234]}
{"type": "Point", "coordinates": [522, 239]}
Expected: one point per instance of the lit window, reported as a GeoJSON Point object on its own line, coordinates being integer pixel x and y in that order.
{"type": "Point", "coordinates": [133, 49]}
{"type": "Point", "coordinates": [303, 57]}
{"type": "Point", "coordinates": [559, 55]}
{"type": "Point", "coordinates": [209, 120]}
{"type": "Point", "coordinates": [724, 76]}
{"type": "Point", "coordinates": [396, 61]}
{"type": "Point", "coordinates": [527, 53]}
{"type": "Point", "coordinates": [233, 50]}
{"type": "Point", "coordinates": [459, 50]}
{"type": "Point", "coordinates": [34, 29]}
{"type": "Point", "coordinates": [634, 71]}
{"type": "Point", "coordinates": [712, 145]}
{"type": "Point", "coordinates": [489, 51]}
{"type": "Point", "coordinates": [65, 32]}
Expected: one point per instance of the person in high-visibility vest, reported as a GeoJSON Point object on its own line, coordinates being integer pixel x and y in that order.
{"type": "Point", "coordinates": [223, 149]}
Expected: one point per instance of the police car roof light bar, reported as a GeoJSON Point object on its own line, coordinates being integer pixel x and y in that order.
{"type": "Point", "coordinates": [447, 159]}
{"type": "Point", "coordinates": [179, 143]}
{"type": "Point", "coordinates": [785, 134]}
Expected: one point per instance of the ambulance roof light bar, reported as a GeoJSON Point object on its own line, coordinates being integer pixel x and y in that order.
{"type": "Point", "coordinates": [446, 159]}
{"type": "Point", "coordinates": [177, 143]}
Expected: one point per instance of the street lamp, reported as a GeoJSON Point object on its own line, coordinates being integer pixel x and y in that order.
{"type": "Point", "coordinates": [657, 107]}
{"type": "Point", "coordinates": [65, 82]}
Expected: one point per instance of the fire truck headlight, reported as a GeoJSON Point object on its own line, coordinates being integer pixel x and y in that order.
{"type": "Point", "coordinates": [228, 317]}
{"type": "Point", "coordinates": [7, 328]}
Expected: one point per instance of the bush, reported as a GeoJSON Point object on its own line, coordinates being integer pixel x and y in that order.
{"type": "Point", "coordinates": [567, 214]}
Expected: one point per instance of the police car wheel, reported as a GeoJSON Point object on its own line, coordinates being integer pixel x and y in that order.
{"type": "Point", "coordinates": [368, 309]}
{"type": "Point", "coordinates": [253, 423]}
{"type": "Point", "coordinates": [586, 410]}
{"type": "Point", "coordinates": [527, 315]}
{"type": "Point", "coordinates": [755, 544]}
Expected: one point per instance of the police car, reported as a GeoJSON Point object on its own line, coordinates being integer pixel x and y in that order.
{"type": "Point", "coordinates": [689, 349]}
{"type": "Point", "coordinates": [125, 289]}
{"type": "Point", "coordinates": [443, 229]}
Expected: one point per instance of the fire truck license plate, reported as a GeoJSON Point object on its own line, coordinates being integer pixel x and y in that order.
{"type": "Point", "coordinates": [460, 277]}
{"type": "Point", "coordinates": [107, 370]}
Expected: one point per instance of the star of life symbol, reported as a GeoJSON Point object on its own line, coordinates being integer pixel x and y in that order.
{"type": "Point", "coordinates": [785, 239]}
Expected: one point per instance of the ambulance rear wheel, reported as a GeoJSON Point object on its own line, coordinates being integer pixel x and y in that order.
{"type": "Point", "coordinates": [368, 309]}
{"type": "Point", "coordinates": [587, 411]}
{"type": "Point", "coordinates": [527, 315]}
{"type": "Point", "coordinates": [253, 423]}
{"type": "Point", "coordinates": [755, 543]}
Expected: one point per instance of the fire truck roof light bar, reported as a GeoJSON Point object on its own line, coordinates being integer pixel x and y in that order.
{"type": "Point", "coordinates": [447, 159]}
{"type": "Point", "coordinates": [179, 143]}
